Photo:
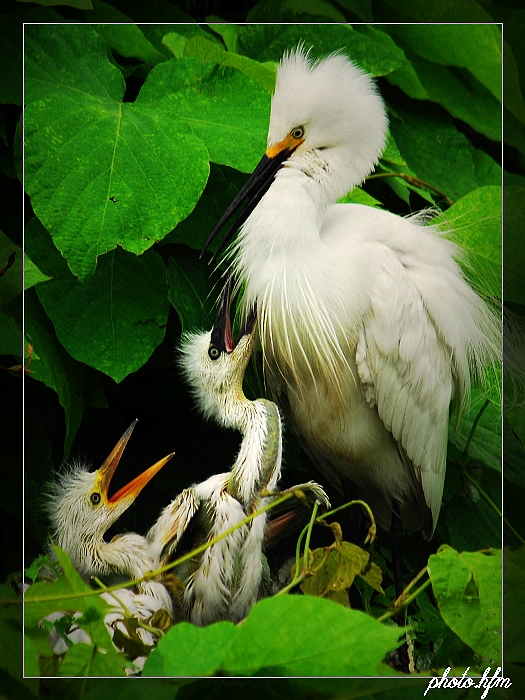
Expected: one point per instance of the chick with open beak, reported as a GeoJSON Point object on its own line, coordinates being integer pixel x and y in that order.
{"type": "Point", "coordinates": [81, 512]}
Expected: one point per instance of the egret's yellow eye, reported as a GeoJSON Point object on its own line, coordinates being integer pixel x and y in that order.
{"type": "Point", "coordinates": [95, 498]}
{"type": "Point", "coordinates": [213, 352]}
{"type": "Point", "coordinates": [298, 132]}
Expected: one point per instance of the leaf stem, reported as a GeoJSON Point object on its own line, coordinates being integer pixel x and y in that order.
{"type": "Point", "coordinates": [309, 534]}
{"type": "Point", "coordinates": [298, 577]}
{"type": "Point", "coordinates": [415, 181]}
{"type": "Point", "coordinates": [372, 530]}
{"type": "Point", "coordinates": [403, 602]}
{"type": "Point", "coordinates": [464, 455]}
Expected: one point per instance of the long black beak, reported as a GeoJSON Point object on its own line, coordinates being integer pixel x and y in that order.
{"type": "Point", "coordinates": [221, 334]}
{"type": "Point", "coordinates": [253, 190]}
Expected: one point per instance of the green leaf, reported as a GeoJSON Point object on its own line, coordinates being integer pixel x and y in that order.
{"type": "Point", "coordinates": [315, 638]}
{"type": "Point", "coordinates": [228, 32]}
{"type": "Point", "coordinates": [68, 60]}
{"type": "Point", "coordinates": [185, 29]}
{"type": "Point", "coordinates": [284, 635]}
{"type": "Point", "coordinates": [78, 4]}
{"type": "Point", "coordinates": [391, 152]}
{"type": "Point", "coordinates": [514, 605]}
{"type": "Point", "coordinates": [222, 186]}
{"type": "Point", "coordinates": [43, 598]}
{"type": "Point", "coordinates": [84, 660]}
{"type": "Point", "coordinates": [10, 334]}
{"type": "Point", "coordinates": [404, 76]}
{"type": "Point", "coordinates": [513, 257]}
{"type": "Point", "coordinates": [337, 572]}
{"type": "Point", "coordinates": [472, 523]}
{"type": "Point", "coordinates": [11, 657]}
{"type": "Point", "coordinates": [360, 8]}
{"type": "Point", "coordinates": [207, 50]}
{"type": "Point", "coordinates": [486, 444]}
{"type": "Point", "coordinates": [191, 291]}
{"type": "Point", "coordinates": [11, 264]}
{"type": "Point", "coordinates": [359, 196]}
{"type": "Point", "coordinates": [129, 41]}
{"type": "Point", "coordinates": [476, 47]}
{"type": "Point", "coordinates": [114, 320]}
{"type": "Point", "coordinates": [268, 42]}
{"type": "Point", "coordinates": [190, 651]}
{"type": "Point", "coordinates": [460, 94]}
{"type": "Point", "coordinates": [11, 58]}
{"type": "Point", "coordinates": [32, 275]}
{"type": "Point", "coordinates": [122, 689]}
{"type": "Point", "coordinates": [293, 11]}
{"type": "Point", "coordinates": [30, 658]}
{"type": "Point", "coordinates": [436, 642]}
{"type": "Point", "coordinates": [474, 223]}
{"type": "Point", "coordinates": [53, 366]}
{"type": "Point", "coordinates": [36, 566]}
{"type": "Point", "coordinates": [513, 94]}
{"type": "Point", "coordinates": [514, 456]}
{"type": "Point", "coordinates": [211, 101]}
{"type": "Point", "coordinates": [467, 587]}
{"type": "Point", "coordinates": [437, 153]}
{"type": "Point", "coordinates": [119, 174]}
{"type": "Point", "coordinates": [11, 688]}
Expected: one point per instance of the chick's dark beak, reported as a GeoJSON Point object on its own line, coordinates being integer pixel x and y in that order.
{"type": "Point", "coordinates": [221, 334]}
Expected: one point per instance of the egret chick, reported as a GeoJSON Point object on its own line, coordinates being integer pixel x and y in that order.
{"type": "Point", "coordinates": [225, 581]}
{"type": "Point", "coordinates": [368, 327]}
{"type": "Point", "coordinates": [81, 511]}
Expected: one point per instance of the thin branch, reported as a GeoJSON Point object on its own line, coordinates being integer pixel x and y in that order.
{"type": "Point", "coordinates": [416, 182]}
{"type": "Point", "coordinates": [401, 604]}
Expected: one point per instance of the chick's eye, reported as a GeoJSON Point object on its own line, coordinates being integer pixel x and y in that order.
{"type": "Point", "coordinates": [213, 352]}
{"type": "Point", "coordinates": [298, 132]}
{"type": "Point", "coordinates": [95, 498]}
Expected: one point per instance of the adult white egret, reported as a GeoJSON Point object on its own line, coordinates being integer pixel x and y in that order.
{"type": "Point", "coordinates": [81, 512]}
{"type": "Point", "coordinates": [368, 328]}
{"type": "Point", "coordinates": [225, 581]}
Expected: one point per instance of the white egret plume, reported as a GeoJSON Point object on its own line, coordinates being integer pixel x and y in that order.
{"type": "Point", "coordinates": [368, 328]}
{"type": "Point", "coordinates": [225, 581]}
{"type": "Point", "coordinates": [81, 512]}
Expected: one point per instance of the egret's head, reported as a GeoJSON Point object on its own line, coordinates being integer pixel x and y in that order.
{"type": "Point", "coordinates": [80, 507]}
{"type": "Point", "coordinates": [214, 365]}
{"type": "Point", "coordinates": [329, 105]}
{"type": "Point", "coordinates": [327, 119]}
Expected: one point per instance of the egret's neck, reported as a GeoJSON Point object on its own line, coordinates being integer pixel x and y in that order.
{"type": "Point", "coordinates": [258, 464]}
{"type": "Point", "coordinates": [126, 554]}
{"type": "Point", "coordinates": [287, 220]}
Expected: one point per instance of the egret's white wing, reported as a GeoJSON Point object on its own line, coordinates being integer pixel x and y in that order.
{"type": "Point", "coordinates": [405, 369]}
{"type": "Point", "coordinates": [172, 523]}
